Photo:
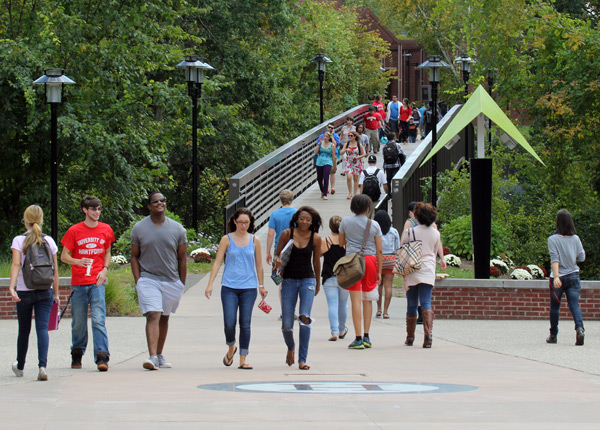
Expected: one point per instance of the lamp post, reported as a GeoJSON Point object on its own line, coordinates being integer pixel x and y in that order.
{"type": "Point", "coordinates": [194, 75]}
{"type": "Point", "coordinates": [53, 80]}
{"type": "Point", "coordinates": [464, 62]}
{"type": "Point", "coordinates": [433, 64]}
{"type": "Point", "coordinates": [406, 76]}
{"type": "Point", "coordinates": [321, 61]}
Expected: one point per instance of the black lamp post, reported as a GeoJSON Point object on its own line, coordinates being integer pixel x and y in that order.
{"type": "Point", "coordinates": [464, 62]}
{"type": "Point", "coordinates": [433, 64]}
{"type": "Point", "coordinates": [194, 75]}
{"type": "Point", "coordinates": [407, 55]}
{"type": "Point", "coordinates": [53, 80]}
{"type": "Point", "coordinates": [321, 61]}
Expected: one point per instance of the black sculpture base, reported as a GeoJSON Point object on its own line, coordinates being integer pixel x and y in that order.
{"type": "Point", "coordinates": [481, 215]}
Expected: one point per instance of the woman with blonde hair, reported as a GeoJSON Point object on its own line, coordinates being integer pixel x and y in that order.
{"type": "Point", "coordinates": [28, 301]}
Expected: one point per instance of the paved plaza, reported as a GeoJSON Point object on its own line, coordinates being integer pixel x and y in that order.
{"type": "Point", "coordinates": [479, 374]}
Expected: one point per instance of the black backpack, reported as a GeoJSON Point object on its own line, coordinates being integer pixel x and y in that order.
{"type": "Point", "coordinates": [416, 115]}
{"type": "Point", "coordinates": [429, 117]}
{"type": "Point", "coordinates": [38, 266]}
{"type": "Point", "coordinates": [371, 185]}
{"type": "Point", "coordinates": [390, 152]}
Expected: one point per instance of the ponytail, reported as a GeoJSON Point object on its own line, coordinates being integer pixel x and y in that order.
{"type": "Point", "coordinates": [33, 217]}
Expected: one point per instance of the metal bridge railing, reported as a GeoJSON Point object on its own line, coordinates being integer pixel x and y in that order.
{"type": "Point", "coordinates": [289, 167]}
{"type": "Point", "coordinates": [406, 185]}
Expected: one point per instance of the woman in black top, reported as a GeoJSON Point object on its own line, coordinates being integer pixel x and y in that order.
{"type": "Point", "coordinates": [337, 297]}
{"type": "Point", "coordinates": [299, 280]}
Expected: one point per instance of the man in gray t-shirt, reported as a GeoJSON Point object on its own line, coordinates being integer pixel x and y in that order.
{"type": "Point", "coordinates": [158, 263]}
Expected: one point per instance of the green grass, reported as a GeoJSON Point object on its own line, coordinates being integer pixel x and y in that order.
{"type": "Point", "coordinates": [453, 272]}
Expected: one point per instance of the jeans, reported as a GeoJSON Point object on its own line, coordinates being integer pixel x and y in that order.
{"type": "Point", "coordinates": [233, 299]}
{"type": "Point", "coordinates": [571, 287]}
{"type": "Point", "coordinates": [40, 301]}
{"type": "Point", "coordinates": [291, 289]}
{"type": "Point", "coordinates": [337, 301]}
{"type": "Point", "coordinates": [81, 296]}
{"type": "Point", "coordinates": [415, 294]}
{"type": "Point", "coordinates": [323, 178]}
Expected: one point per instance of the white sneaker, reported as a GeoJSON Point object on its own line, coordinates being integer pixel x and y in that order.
{"type": "Point", "coordinates": [151, 363]}
{"type": "Point", "coordinates": [42, 375]}
{"type": "Point", "coordinates": [18, 372]}
{"type": "Point", "coordinates": [162, 363]}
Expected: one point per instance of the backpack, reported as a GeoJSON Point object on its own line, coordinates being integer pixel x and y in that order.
{"type": "Point", "coordinates": [371, 185]}
{"type": "Point", "coordinates": [416, 115]}
{"type": "Point", "coordinates": [390, 152]}
{"type": "Point", "coordinates": [38, 266]}
{"type": "Point", "coordinates": [429, 117]}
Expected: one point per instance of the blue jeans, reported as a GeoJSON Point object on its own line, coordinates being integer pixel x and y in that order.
{"type": "Point", "coordinates": [291, 289]}
{"type": "Point", "coordinates": [337, 302]}
{"type": "Point", "coordinates": [233, 299]}
{"type": "Point", "coordinates": [82, 295]}
{"type": "Point", "coordinates": [415, 294]}
{"type": "Point", "coordinates": [571, 287]}
{"type": "Point", "coordinates": [40, 301]}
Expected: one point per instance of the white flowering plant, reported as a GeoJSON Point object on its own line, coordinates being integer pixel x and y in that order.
{"type": "Point", "coordinates": [521, 274]}
{"type": "Point", "coordinates": [452, 260]}
{"type": "Point", "coordinates": [506, 260]}
{"type": "Point", "coordinates": [119, 259]}
{"type": "Point", "coordinates": [500, 265]}
{"type": "Point", "coordinates": [536, 271]}
{"type": "Point", "coordinates": [201, 255]}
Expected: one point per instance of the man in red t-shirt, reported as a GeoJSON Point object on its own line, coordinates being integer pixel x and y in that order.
{"type": "Point", "coordinates": [372, 121]}
{"type": "Point", "coordinates": [86, 247]}
{"type": "Point", "coordinates": [381, 111]}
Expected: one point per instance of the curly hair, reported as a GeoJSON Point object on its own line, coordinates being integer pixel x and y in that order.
{"type": "Point", "coordinates": [231, 226]}
{"type": "Point", "coordinates": [425, 213]}
{"type": "Point", "coordinates": [316, 218]}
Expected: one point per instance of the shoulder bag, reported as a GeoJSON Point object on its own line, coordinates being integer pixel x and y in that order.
{"type": "Point", "coordinates": [409, 256]}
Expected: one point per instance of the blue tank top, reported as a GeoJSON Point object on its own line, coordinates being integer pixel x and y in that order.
{"type": "Point", "coordinates": [240, 266]}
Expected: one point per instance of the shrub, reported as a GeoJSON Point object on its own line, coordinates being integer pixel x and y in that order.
{"type": "Point", "coordinates": [521, 274]}
{"type": "Point", "coordinates": [452, 260]}
{"type": "Point", "coordinates": [457, 236]}
{"type": "Point", "coordinates": [500, 265]}
{"type": "Point", "coordinates": [495, 272]}
{"type": "Point", "coordinates": [588, 229]}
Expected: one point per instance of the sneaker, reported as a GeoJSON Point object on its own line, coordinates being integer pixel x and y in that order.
{"type": "Point", "coordinates": [551, 339]}
{"type": "Point", "coordinates": [18, 372]}
{"type": "Point", "coordinates": [162, 363]}
{"type": "Point", "coordinates": [102, 361]}
{"type": "Point", "coordinates": [76, 354]}
{"type": "Point", "coordinates": [580, 336]}
{"type": "Point", "coordinates": [356, 344]}
{"type": "Point", "coordinates": [151, 363]}
{"type": "Point", "coordinates": [42, 375]}
{"type": "Point", "coordinates": [366, 342]}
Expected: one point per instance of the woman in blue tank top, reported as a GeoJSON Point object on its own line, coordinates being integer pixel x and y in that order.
{"type": "Point", "coordinates": [242, 275]}
{"type": "Point", "coordinates": [300, 279]}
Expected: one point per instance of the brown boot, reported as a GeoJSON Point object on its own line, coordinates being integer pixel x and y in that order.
{"type": "Point", "coordinates": [411, 325]}
{"type": "Point", "coordinates": [428, 327]}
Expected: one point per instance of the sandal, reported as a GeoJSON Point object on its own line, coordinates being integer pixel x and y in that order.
{"type": "Point", "coordinates": [378, 314]}
{"type": "Point", "coordinates": [349, 197]}
{"type": "Point", "coordinates": [332, 191]}
{"type": "Point", "coordinates": [289, 358]}
{"type": "Point", "coordinates": [386, 317]}
{"type": "Point", "coordinates": [303, 366]}
{"type": "Point", "coordinates": [333, 338]}
{"type": "Point", "coordinates": [341, 336]}
{"type": "Point", "coordinates": [227, 360]}
{"type": "Point", "coordinates": [245, 366]}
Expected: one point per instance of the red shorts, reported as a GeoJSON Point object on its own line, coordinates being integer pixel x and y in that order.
{"type": "Point", "coordinates": [369, 281]}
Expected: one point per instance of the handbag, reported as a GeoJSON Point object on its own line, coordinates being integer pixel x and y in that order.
{"type": "Point", "coordinates": [409, 256]}
{"type": "Point", "coordinates": [351, 268]}
{"type": "Point", "coordinates": [264, 306]}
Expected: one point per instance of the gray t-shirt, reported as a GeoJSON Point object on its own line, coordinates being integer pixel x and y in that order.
{"type": "Point", "coordinates": [353, 228]}
{"type": "Point", "coordinates": [568, 251]}
{"type": "Point", "coordinates": [158, 248]}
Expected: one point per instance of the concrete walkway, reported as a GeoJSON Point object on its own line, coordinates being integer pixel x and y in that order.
{"type": "Point", "coordinates": [500, 374]}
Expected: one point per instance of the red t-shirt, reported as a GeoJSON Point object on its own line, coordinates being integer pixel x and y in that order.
{"type": "Point", "coordinates": [372, 120]}
{"type": "Point", "coordinates": [405, 113]}
{"type": "Point", "coordinates": [380, 109]}
{"type": "Point", "coordinates": [87, 242]}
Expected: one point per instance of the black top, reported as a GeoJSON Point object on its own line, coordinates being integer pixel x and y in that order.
{"type": "Point", "coordinates": [330, 257]}
{"type": "Point", "coordinates": [300, 264]}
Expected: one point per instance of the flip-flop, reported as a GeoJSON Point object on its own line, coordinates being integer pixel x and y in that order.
{"type": "Point", "coordinates": [332, 191]}
{"type": "Point", "coordinates": [228, 361]}
{"type": "Point", "coordinates": [245, 366]}
{"type": "Point", "coordinates": [386, 317]}
{"type": "Point", "coordinates": [303, 366]}
{"type": "Point", "coordinates": [378, 314]}
{"type": "Point", "coordinates": [333, 338]}
{"type": "Point", "coordinates": [341, 336]}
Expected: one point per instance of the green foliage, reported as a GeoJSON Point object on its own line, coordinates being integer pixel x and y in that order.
{"type": "Point", "coordinates": [587, 223]}
{"type": "Point", "coordinates": [456, 235]}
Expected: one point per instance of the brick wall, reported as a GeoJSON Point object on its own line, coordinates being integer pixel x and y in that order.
{"type": "Point", "coordinates": [8, 309]}
{"type": "Point", "coordinates": [507, 299]}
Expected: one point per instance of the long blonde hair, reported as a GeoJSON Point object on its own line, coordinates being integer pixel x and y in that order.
{"type": "Point", "coordinates": [33, 217]}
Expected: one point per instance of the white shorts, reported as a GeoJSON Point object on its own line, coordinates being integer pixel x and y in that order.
{"type": "Point", "coordinates": [159, 296]}
{"type": "Point", "coordinates": [371, 296]}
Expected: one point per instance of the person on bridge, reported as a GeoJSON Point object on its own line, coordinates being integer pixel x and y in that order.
{"type": "Point", "coordinates": [355, 152]}
{"type": "Point", "coordinates": [419, 284]}
{"type": "Point", "coordinates": [364, 292]}
{"type": "Point", "coordinates": [403, 119]}
{"type": "Point", "coordinates": [373, 122]}
{"type": "Point", "coordinates": [300, 280]}
{"type": "Point", "coordinates": [566, 251]}
{"type": "Point", "coordinates": [390, 242]}
{"type": "Point", "coordinates": [325, 162]}
{"type": "Point", "coordinates": [364, 139]}
{"type": "Point", "coordinates": [371, 181]}
{"type": "Point", "coordinates": [393, 111]}
{"type": "Point", "coordinates": [338, 146]}
{"type": "Point", "coordinates": [242, 276]}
